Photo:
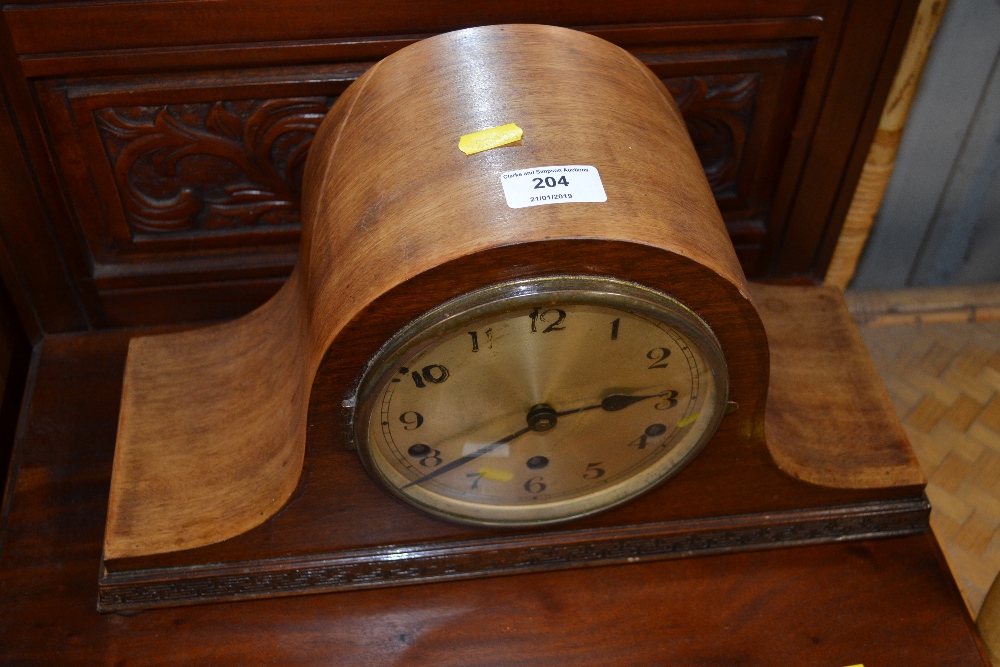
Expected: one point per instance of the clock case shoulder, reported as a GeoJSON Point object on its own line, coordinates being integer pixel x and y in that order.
{"type": "Point", "coordinates": [229, 457]}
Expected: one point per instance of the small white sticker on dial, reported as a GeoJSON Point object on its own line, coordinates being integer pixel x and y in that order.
{"type": "Point", "coordinates": [564, 184]}
{"type": "Point", "coordinates": [474, 447]}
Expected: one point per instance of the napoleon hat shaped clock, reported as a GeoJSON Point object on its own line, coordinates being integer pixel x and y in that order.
{"type": "Point", "coordinates": [467, 376]}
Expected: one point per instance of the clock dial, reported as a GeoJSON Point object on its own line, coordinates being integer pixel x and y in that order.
{"type": "Point", "coordinates": [540, 401]}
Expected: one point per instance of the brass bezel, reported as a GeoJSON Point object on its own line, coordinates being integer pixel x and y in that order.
{"type": "Point", "coordinates": [525, 293]}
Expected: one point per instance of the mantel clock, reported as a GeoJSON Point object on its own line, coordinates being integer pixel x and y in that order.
{"type": "Point", "coordinates": [539, 355]}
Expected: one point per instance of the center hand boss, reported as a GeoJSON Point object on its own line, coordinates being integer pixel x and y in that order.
{"type": "Point", "coordinates": [540, 417]}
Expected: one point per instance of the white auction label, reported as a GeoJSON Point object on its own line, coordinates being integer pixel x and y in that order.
{"type": "Point", "coordinates": [564, 184]}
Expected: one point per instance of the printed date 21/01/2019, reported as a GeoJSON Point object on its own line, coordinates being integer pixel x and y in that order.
{"type": "Point", "coordinates": [551, 197]}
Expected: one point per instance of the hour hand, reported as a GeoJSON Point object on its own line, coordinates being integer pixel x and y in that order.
{"type": "Point", "coordinates": [616, 402]}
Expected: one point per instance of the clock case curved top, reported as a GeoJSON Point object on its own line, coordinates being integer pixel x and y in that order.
{"type": "Point", "coordinates": [229, 440]}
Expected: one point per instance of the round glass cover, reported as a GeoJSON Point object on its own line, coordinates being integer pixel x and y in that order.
{"type": "Point", "coordinates": [540, 400]}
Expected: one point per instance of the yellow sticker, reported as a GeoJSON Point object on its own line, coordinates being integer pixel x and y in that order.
{"type": "Point", "coordinates": [496, 474]}
{"type": "Point", "coordinates": [690, 419]}
{"type": "Point", "coordinates": [491, 138]}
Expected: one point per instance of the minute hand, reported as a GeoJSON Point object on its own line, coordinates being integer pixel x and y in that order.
{"type": "Point", "coordinates": [611, 403]}
{"type": "Point", "coordinates": [461, 461]}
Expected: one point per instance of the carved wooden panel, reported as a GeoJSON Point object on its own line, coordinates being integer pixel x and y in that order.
{"type": "Point", "coordinates": [189, 169]}
{"type": "Point", "coordinates": [739, 108]}
{"type": "Point", "coordinates": [192, 169]}
{"type": "Point", "coordinates": [718, 110]}
{"type": "Point", "coordinates": [179, 180]}
{"type": "Point", "coordinates": [800, 85]}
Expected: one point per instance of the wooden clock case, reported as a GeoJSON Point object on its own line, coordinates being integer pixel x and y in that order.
{"type": "Point", "coordinates": [231, 477]}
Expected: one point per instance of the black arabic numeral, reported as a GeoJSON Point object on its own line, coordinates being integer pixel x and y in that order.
{"type": "Point", "coordinates": [639, 442]}
{"type": "Point", "coordinates": [435, 373]}
{"type": "Point", "coordinates": [429, 458]}
{"type": "Point", "coordinates": [534, 485]}
{"type": "Point", "coordinates": [652, 431]}
{"type": "Point", "coordinates": [554, 326]}
{"type": "Point", "coordinates": [614, 328]}
{"type": "Point", "coordinates": [670, 398]}
{"type": "Point", "coordinates": [593, 472]}
{"type": "Point", "coordinates": [539, 184]}
{"type": "Point", "coordinates": [563, 181]}
{"type": "Point", "coordinates": [475, 482]}
{"type": "Point", "coordinates": [550, 182]}
{"type": "Point", "coordinates": [657, 355]}
{"type": "Point", "coordinates": [538, 315]}
{"type": "Point", "coordinates": [432, 460]}
{"type": "Point", "coordinates": [475, 340]}
{"type": "Point", "coordinates": [411, 423]}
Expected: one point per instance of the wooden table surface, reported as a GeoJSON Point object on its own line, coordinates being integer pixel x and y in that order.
{"type": "Point", "coordinates": [881, 602]}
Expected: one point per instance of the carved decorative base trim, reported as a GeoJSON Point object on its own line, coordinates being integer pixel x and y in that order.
{"type": "Point", "coordinates": [421, 563]}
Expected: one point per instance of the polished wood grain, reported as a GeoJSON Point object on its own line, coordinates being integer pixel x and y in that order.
{"type": "Point", "coordinates": [250, 131]}
{"type": "Point", "coordinates": [806, 247]}
{"type": "Point", "coordinates": [336, 530]}
{"type": "Point", "coordinates": [388, 197]}
{"type": "Point", "coordinates": [788, 91]}
{"type": "Point", "coordinates": [221, 427]}
{"type": "Point", "coordinates": [875, 602]}
{"type": "Point", "coordinates": [829, 420]}
{"type": "Point", "coordinates": [329, 522]}
{"type": "Point", "coordinates": [15, 355]}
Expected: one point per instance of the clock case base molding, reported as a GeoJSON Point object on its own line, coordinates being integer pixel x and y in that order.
{"type": "Point", "coordinates": [424, 563]}
{"type": "Point", "coordinates": [844, 472]}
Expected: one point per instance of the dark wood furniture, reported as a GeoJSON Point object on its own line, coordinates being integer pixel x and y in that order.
{"type": "Point", "coordinates": [876, 602]}
{"type": "Point", "coordinates": [150, 164]}
{"type": "Point", "coordinates": [153, 151]}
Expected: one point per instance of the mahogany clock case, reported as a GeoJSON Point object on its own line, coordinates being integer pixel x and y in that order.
{"type": "Point", "coordinates": [339, 531]}
{"type": "Point", "coordinates": [337, 527]}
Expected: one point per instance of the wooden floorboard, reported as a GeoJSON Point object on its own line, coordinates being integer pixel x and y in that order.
{"type": "Point", "coordinates": [941, 366]}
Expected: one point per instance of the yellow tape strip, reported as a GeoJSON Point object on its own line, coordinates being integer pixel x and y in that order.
{"type": "Point", "coordinates": [491, 138]}
{"type": "Point", "coordinates": [496, 474]}
{"type": "Point", "coordinates": [857, 666]}
{"type": "Point", "coordinates": [690, 419]}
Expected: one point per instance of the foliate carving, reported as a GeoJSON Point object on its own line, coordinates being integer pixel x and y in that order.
{"type": "Point", "coordinates": [205, 167]}
{"type": "Point", "coordinates": [718, 110]}
{"type": "Point", "coordinates": [236, 165]}
{"type": "Point", "coordinates": [388, 566]}
{"type": "Point", "coordinates": [202, 168]}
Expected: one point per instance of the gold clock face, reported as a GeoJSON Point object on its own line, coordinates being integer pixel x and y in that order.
{"type": "Point", "coordinates": [540, 400]}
